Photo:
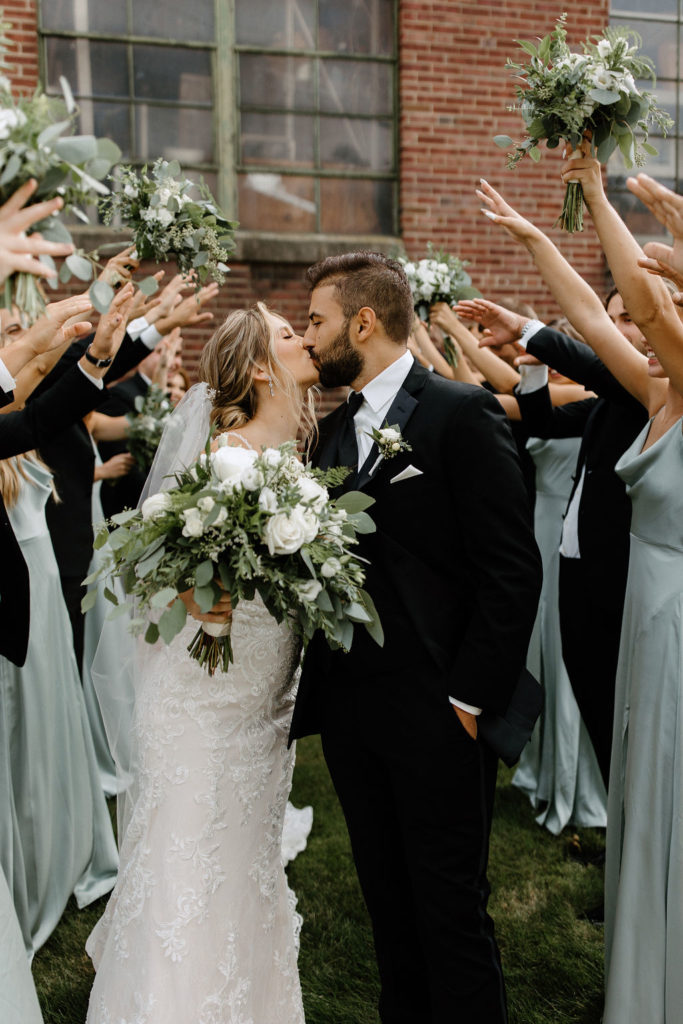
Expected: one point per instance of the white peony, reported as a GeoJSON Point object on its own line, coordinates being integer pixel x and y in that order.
{"type": "Point", "coordinates": [313, 493]}
{"type": "Point", "coordinates": [194, 522]}
{"type": "Point", "coordinates": [272, 457]}
{"type": "Point", "coordinates": [309, 591]}
{"type": "Point", "coordinates": [268, 500]}
{"type": "Point", "coordinates": [229, 463]}
{"type": "Point", "coordinates": [206, 504]}
{"type": "Point", "coordinates": [10, 118]}
{"type": "Point", "coordinates": [252, 478]}
{"type": "Point", "coordinates": [155, 505]}
{"type": "Point", "coordinates": [284, 534]}
{"type": "Point", "coordinates": [390, 434]}
{"type": "Point", "coordinates": [602, 78]}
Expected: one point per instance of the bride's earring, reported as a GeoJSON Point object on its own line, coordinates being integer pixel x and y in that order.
{"type": "Point", "coordinates": [270, 387]}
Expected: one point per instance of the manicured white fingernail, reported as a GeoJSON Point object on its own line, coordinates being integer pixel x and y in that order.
{"type": "Point", "coordinates": [490, 213]}
{"type": "Point", "coordinates": [564, 152]}
{"type": "Point", "coordinates": [484, 181]}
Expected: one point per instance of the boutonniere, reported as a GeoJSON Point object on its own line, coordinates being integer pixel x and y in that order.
{"type": "Point", "coordinates": [390, 442]}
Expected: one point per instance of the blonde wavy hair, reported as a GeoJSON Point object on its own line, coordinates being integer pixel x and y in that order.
{"type": "Point", "coordinates": [245, 341]}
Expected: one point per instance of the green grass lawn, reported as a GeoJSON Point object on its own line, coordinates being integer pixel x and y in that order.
{"type": "Point", "coordinates": [544, 888]}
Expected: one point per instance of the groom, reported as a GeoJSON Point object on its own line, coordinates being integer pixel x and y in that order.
{"type": "Point", "coordinates": [455, 575]}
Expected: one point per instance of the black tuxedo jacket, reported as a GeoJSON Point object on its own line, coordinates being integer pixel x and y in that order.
{"type": "Point", "coordinates": [72, 460]}
{"type": "Point", "coordinates": [124, 492]}
{"type": "Point", "coordinates": [43, 421]}
{"type": "Point", "coordinates": [607, 426]}
{"type": "Point", "coordinates": [454, 569]}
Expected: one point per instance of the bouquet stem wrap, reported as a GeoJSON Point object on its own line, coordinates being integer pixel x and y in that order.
{"type": "Point", "coordinates": [211, 646]}
{"type": "Point", "coordinates": [571, 218]}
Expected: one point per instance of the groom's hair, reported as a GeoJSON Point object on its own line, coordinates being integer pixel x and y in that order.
{"type": "Point", "coordinates": [368, 279]}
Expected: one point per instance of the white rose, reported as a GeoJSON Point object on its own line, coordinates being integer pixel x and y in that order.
{"type": "Point", "coordinates": [164, 217]}
{"type": "Point", "coordinates": [229, 463]}
{"type": "Point", "coordinates": [313, 493]}
{"type": "Point", "coordinates": [311, 525]}
{"type": "Point", "coordinates": [390, 434]}
{"type": "Point", "coordinates": [194, 524]}
{"type": "Point", "coordinates": [10, 119]}
{"type": "Point", "coordinates": [206, 504]}
{"type": "Point", "coordinates": [268, 500]}
{"type": "Point", "coordinates": [130, 191]}
{"type": "Point", "coordinates": [602, 79]}
{"type": "Point", "coordinates": [309, 590]}
{"type": "Point", "coordinates": [252, 478]}
{"type": "Point", "coordinates": [272, 457]}
{"type": "Point", "coordinates": [155, 505]}
{"type": "Point", "coordinates": [330, 567]}
{"type": "Point", "coordinates": [409, 269]}
{"type": "Point", "coordinates": [284, 534]}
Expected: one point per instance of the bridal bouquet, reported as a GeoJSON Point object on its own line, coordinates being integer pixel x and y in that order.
{"type": "Point", "coordinates": [167, 223]}
{"type": "Point", "coordinates": [37, 141]}
{"type": "Point", "coordinates": [146, 425]}
{"type": "Point", "coordinates": [589, 96]}
{"type": "Point", "coordinates": [248, 523]}
{"type": "Point", "coordinates": [438, 278]}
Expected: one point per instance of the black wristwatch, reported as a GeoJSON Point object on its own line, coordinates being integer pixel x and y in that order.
{"type": "Point", "coordinates": [100, 363]}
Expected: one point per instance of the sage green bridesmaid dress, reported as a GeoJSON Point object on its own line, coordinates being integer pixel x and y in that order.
{"type": "Point", "coordinates": [644, 868]}
{"type": "Point", "coordinates": [558, 769]}
{"type": "Point", "coordinates": [57, 837]}
{"type": "Point", "coordinates": [18, 999]}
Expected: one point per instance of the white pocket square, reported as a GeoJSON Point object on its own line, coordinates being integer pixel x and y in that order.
{"type": "Point", "coordinates": [406, 474]}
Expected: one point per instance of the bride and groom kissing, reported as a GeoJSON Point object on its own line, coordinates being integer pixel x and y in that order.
{"type": "Point", "coordinates": [201, 926]}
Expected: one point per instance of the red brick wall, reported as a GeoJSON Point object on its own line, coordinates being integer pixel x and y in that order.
{"type": "Point", "coordinates": [454, 91]}
{"type": "Point", "coordinates": [454, 94]}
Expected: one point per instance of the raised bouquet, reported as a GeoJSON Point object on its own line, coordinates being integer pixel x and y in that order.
{"type": "Point", "coordinates": [439, 277]}
{"type": "Point", "coordinates": [37, 140]}
{"type": "Point", "coordinates": [590, 96]}
{"type": "Point", "coordinates": [146, 425]}
{"type": "Point", "coordinates": [168, 223]}
{"type": "Point", "coordinates": [250, 524]}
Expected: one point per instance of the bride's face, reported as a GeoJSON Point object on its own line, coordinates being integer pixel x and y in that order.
{"type": "Point", "coordinates": [290, 351]}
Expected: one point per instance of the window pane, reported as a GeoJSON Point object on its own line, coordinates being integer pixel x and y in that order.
{"type": "Point", "coordinates": [660, 44]}
{"type": "Point", "coordinates": [357, 26]}
{"type": "Point", "coordinates": [356, 145]}
{"type": "Point", "coordinates": [184, 134]}
{"type": "Point", "coordinates": [274, 202]}
{"type": "Point", "coordinates": [91, 68]}
{"type": "Point", "coordinates": [172, 73]}
{"type": "Point", "coordinates": [276, 82]}
{"type": "Point", "coordinates": [287, 24]}
{"type": "Point", "coordinates": [355, 87]}
{"type": "Point", "coordinates": [349, 207]}
{"type": "Point", "coordinates": [283, 139]}
{"type": "Point", "coordinates": [106, 119]}
{"type": "Point", "coordinates": [80, 16]}
{"type": "Point", "coordinates": [637, 217]}
{"type": "Point", "coordinates": [174, 19]}
{"type": "Point", "coordinates": [665, 93]}
{"type": "Point", "coordinates": [646, 6]}
{"type": "Point", "coordinates": [662, 167]}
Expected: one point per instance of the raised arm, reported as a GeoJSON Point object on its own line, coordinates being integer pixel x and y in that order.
{"type": "Point", "coordinates": [497, 372]}
{"type": "Point", "coordinates": [578, 301]}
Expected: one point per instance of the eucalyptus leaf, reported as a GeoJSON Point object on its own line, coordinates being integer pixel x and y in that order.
{"type": "Point", "coordinates": [357, 613]}
{"type": "Point", "coordinates": [88, 601]}
{"type": "Point", "coordinates": [503, 141]}
{"type": "Point", "coordinates": [118, 612]}
{"type": "Point", "coordinates": [535, 154]}
{"type": "Point", "coordinates": [206, 597]}
{"type": "Point", "coordinates": [76, 149]}
{"type": "Point", "coordinates": [147, 565]}
{"type": "Point", "coordinates": [99, 167]}
{"type": "Point", "coordinates": [79, 266]}
{"type": "Point", "coordinates": [163, 597]}
{"type": "Point", "coordinates": [148, 285]}
{"type": "Point", "coordinates": [527, 47]}
{"type": "Point", "coordinates": [110, 596]}
{"type": "Point", "coordinates": [53, 230]}
{"type": "Point", "coordinates": [649, 149]}
{"type": "Point", "coordinates": [363, 523]}
{"type": "Point", "coordinates": [152, 634]}
{"type": "Point", "coordinates": [12, 167]}
{"type": "Point", "coordinates": [172, 621]}
{"type": "Point", "coordinates": [52, 132]}
{"type": "Point", "coordinates": [205, 573]}
{"type": "Point", "coordinates": [65, 272]}
{"type": "Point", "coordinates": [323, 602]}
{"type": "Point", "coordinates": [53, 282]}
{"type": "Point", "coordinates": [374, 627]}
{"type": "Point", "coordinates": [121, 518]}
{"type": "Point", "coordinates": [604, 96]}
{"type": "Point", "coordinates": [101, 295]}
{"type": "Point", "coordinates": [67, 94]}
{"type": "Point", "coordinates": [606, 148]}
{"type": "Point", "coordinates": [108, 150]}
{"type": "Point", "coordinates": [354, 501]}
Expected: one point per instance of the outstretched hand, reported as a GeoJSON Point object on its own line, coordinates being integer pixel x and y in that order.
{"type": "Point", "coordinates": [502, 213]}
{"type": "Point", "coordinates": [502, 326]}
{"type": "Point", "coordinates": [588, 171]}
{"type": "Point", "coordinates": [188, 312]}
{"type": "Point", "coordinates": [667, 207]}
{"type": "Point", "coordinates": [18, 251]}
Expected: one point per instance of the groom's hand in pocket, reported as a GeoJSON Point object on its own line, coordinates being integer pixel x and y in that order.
{"type": "Point", "coordinates": [221, 611]}
{"type": "Point", "coordinates": [468, 721]}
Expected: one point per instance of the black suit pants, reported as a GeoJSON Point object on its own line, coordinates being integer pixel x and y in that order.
{"type": "Point", "coordinates": [417, 793]}
{"type": "Point", "coordinates": [590, 625]}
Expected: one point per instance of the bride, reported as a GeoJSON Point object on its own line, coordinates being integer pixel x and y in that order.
{"type": "Point", "coordinates": [201, 925]}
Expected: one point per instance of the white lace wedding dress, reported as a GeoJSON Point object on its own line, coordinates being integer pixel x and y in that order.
{"type": "Point", "coordinates": [201, 927]}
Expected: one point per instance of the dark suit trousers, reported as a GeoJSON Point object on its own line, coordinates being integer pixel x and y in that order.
{"type": "Point", "coordinates": [417, 793]}
{"type": "Point", "coordinates": [590, 627]}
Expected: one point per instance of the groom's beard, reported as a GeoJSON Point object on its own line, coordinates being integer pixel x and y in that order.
{"type": "Point", "coordinates": [341, 363]}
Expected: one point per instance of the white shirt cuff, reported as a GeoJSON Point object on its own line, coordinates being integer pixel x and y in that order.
{"type": "Point", "coordinates": [531, 378]}
{"type": "Point", "coordinates": [151, 337]}
{"type": "Point", "coordinates": [465, 707]}
{"type": "Point", "coordinates": [97, 381]}
{"type": "Point", "coordinates": [530, 328]}
{"type": "Point", "coordinates": [136, 327]}
{"type": "Point", "coordinates": [7, 381]}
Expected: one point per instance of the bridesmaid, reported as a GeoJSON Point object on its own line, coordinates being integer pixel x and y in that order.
{"type": "Point", "coordinates": [18, 999]}
{"type": "Point", "coordinates": [57, 837]}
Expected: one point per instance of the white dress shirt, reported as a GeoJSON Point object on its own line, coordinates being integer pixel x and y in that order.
{"type": "Point", "coordinates": [7, 381]}
{"type": "Point", "coordinates": [378, 396]}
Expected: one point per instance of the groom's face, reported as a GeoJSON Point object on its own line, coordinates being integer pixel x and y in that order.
{"type": "Point", "coordinates": [328, 340]}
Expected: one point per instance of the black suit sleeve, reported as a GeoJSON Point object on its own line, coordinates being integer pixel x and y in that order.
{"type": "Point", "coordinates": [6, 398]}
{"type": "Point", "coordinates": [577, 361]}
{"type": "Point", "coordinates": [501, 560]}
{"type": "Point", "coordinates": [130, 354]}
{"type": "Point", "coordinates": [68, 401]}
{"type": "Point", "coordinates": [542, 419]}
